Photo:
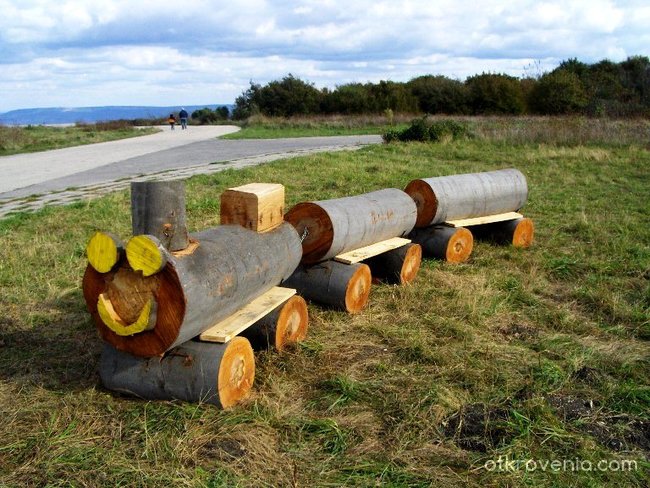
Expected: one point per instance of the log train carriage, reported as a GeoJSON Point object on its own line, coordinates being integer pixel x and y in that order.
{"type": "Point", "coordinates": [152, 298]}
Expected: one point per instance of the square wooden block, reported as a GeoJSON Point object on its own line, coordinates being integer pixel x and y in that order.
{"type": "Point", "coordinates": [256, 206]}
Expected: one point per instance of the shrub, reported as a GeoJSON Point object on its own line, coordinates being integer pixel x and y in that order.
{"type": "Point", "coordinates": [495, 94]}
{"type": "Point", "coordinates": [558, 92]}
{"type": "Point", "coordinates": [422, 130]}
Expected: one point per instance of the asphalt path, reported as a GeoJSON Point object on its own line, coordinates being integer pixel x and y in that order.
{"type": "Point", "coordinates": [192, 151]}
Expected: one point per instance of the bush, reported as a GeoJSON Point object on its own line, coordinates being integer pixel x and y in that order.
{"type": "Point", "coordinates": [495, 94]}
{"type": "Point", "coordinates": [558, 92]}
{"type": "Point", "coordinates": [421, 130]}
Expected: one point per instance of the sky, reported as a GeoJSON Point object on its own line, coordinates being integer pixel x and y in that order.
{"type": "Point", "coordinates": [77, 53]}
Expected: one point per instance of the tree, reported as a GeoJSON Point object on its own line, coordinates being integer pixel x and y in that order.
{"type": "Point", "coordinates": [247, 103]}
{"type": "Point", "coordinates": [287, 97]}
{"type": "Point", "coordinates": [439, 94]}
{"type": "Point", "coordinates": [558, 92]}
{"type": "Point", "coordinates": [495, 94]}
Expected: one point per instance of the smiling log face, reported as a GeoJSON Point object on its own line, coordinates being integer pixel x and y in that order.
{"type": "Point", "coordinates": [132, 308]}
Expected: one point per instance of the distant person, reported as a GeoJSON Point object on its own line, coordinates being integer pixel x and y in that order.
{"type": "Point", "coordinates": [171, 121]}
{"type": "Point", "coordinates": [183, 116]}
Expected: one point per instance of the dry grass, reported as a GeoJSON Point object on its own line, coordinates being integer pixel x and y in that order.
{"type": "Point", "coordinates": [532, 354]}
{"type": "Point", "coordinates": [15, 140]}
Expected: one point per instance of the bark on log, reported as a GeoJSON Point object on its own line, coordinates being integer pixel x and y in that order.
{"type": "Point", "coordinates": [285, 325]}
{"type": "Point", "coordinates": [467, 195]}
{"type": "Point", "coordinates": [158, 209]}
{"type": "Point", "coordinates": [518, 232]}
{"type": "Point", "coordinates": [451, 244]}
{"type": "Point", "coordinates": [342, 286]}
{"type": "Point", "coordinates": [399, 266]}
{"type": "Point", "coordinates": [332, 227]}
{"type": "Point", "coordinates": [221, 374]}
{"type": "Point", "coordinates": [229, 267]}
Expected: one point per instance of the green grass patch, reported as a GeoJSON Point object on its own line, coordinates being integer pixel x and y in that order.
{"type": "Point", "coordinates": [535, 354]}
{"type": "Point", "coordinates": [261, 127]}
{"type": "Point", "coordinates": [17, 140]}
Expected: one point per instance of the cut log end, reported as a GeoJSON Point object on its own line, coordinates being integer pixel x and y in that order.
{"type": "Point", "coordinates": [104, 251]}
{"type": "Point", "coordinates": [236, 372]}
{"type": "Point", "coordinates": [314, 228]}
{"type": "Point", "coordinates": [425, 201]}
{"type": "Point", "coordinates": [145, 253]}
{"type": "Point", "coordinates": [292, 323]}
{"type": "Point", "coordinates": [460, 245]}
{"type": "Point", "coordinates": [357, 291]}
{"type": "Point", "coordinates": [411, 264]}
{"type": "Point", "coordinates": [524, 233]}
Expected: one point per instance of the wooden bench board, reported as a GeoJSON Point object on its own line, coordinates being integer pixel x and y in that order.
{"type": "Point", "coordinates": [363, 253]}
{"type": "Point", "coordinates": [228, 328]}
{"type": "Point", "coordinates": [488, 219]}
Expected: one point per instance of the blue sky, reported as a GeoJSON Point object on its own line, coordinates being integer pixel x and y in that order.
{"type": "Point", "coordinates": [184, 52]}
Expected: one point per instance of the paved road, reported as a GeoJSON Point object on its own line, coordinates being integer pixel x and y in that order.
{"type": "Point", "coordinates": [66, 175]}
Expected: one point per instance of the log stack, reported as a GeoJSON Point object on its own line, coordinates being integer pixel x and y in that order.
{"type": "Point", "coordinates": [442, 201]}
{"type": "Point", "coordinates": [150, 298]}
{"type": "Point", "coordinates": [329, 228]}
{"type": "Point", "coordinates": [157, 299]}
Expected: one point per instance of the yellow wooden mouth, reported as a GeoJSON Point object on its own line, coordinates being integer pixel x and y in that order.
{"type": "Point", "coordinates": [145, 321]}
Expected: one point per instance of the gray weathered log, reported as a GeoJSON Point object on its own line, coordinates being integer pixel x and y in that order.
{"type": "Point", "coordinates": [158, 209]}
{"type": "Point", "coordinates": [518, 232]}
{"type": "Point", "coordinates": [454, 197]}
{"type": "Point", "coordinates": [287, 324]}
{"type": "Point", "coordinates": [398, 266]}
{"type": "Point", "coordinates": [190, 372]}
{"type": "Point", "coordinates": [337, 285]}
{"type": "Point", "coordinates": [332, 227]}
{"type": "Point", "coordinates": [453, 244]}
{"type": "Point", "coordinates": [229, 267]}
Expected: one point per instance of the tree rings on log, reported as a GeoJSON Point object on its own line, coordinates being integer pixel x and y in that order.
{"type": "Point", "coordinates": [331, 227]}
{"type": "Point", "coordinates": [451, 244]}
{"type": "Point", "coordinates": [104, 250]}
{"type": "Point", "coordinates": [229, 267]}
{"type": "Point", "coordinates": [399, 266]}
{"type": "Point", "coordinates": [467, 195]}
{"type": "Point", "coordinates": [342, 286]}
{"type": "Point", "coordinates": [220, 374]}
{"type": "Point", "coordinates": [146, 253]}
{"type": "Point", "coordinates": [518, 232]}
{"type": "Point", "coordinates": [285, 325]}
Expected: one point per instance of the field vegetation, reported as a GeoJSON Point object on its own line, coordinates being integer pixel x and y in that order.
{"type": "Point", "coordinates": [604, 88]}
{"type": "Point", "coordinates": [522, 355]}
{"type": "Point", "coordinates": [32, 138]}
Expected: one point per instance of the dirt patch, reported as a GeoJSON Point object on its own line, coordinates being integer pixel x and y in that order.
{"type": "Point", "coordinates": [519, 331]}
{"type": "Point", "coordinates": [478, 427]}
{"type": "Point", "coordinates": [616, 432]}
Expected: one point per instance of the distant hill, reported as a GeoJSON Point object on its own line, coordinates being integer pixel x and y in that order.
{"type": "Point", "coordinates": [61, 115]}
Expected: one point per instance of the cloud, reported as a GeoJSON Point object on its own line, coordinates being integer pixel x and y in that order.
{"type": "Point", "coordinates": [119, 51]}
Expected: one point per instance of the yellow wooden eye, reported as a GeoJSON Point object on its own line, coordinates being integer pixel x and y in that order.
{"type": "Point", "coordinates": [145, 253]}
{"type": "Point", "coordinates": [103, 251]}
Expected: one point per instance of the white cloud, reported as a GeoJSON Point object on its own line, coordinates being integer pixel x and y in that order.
{"type": "Point", "coordinates": [121, 51]}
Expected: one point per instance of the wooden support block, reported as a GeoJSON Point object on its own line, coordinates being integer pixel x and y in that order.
{"type": "Point", "coordinates": [364, 253]}
{"type": "Point", "coordinates": [248, 315]}
{"type": "Point", "coordinates": [256, 206]}
{"type": "Point", "coordinates": [488, 219]}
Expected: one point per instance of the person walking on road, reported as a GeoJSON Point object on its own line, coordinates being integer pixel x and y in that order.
{"type": "Point", "coordinates": [171, 121]}
{"type": "Point", "coordinates": [183, 116]}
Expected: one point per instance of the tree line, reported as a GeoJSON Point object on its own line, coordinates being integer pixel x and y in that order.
{"type": "Point", "coordinates": [603, 88]}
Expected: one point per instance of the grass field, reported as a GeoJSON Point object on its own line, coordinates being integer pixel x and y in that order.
{"type": "Point", "coordinates": [262, 127]}
{"type": "Point", "coordinates": [535, 355]}
{"type": "Point", "coordinates": [16, 140]}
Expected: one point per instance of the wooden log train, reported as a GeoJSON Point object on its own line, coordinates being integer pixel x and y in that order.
{"type": "Point", "coordinates": [158, 300]}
